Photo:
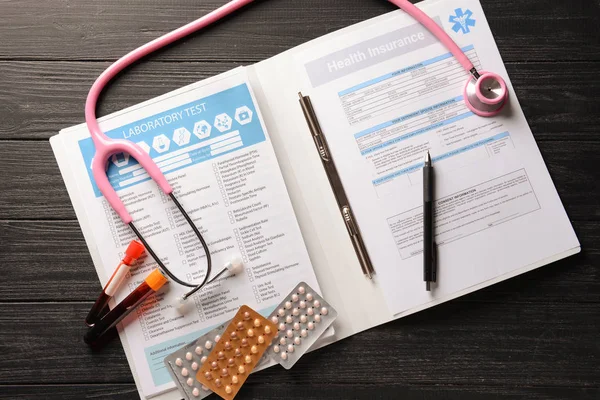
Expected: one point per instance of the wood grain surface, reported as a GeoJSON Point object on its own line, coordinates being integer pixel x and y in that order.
{"type": "Point", "coordinates": [536, 336]}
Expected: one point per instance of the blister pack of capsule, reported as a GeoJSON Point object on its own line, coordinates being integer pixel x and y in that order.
{"type": "Point", "coordinates": [239, 351]}
{"type": "Point", "coordinates": [301, 318]}
{"type": "Point", "coordinates": [184, 363]}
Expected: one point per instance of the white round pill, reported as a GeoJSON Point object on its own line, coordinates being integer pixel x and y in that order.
{"type": "Point", "coordinates": [195, 366]}
{"type": "Point", "coordinates": [282, 327]}
{"type": "Point", "coordinates": [267, 329]}
{"type": "Point", "coordinates": [317, 318]}
{"type": "Point", "coordinates": [276, 349]}
{"type": "Point", "coordinates": [302, 304]}
{"type": "Point", "coordinates": [284, 356]}
{"type": "Point", "coordinates": [203, 360]}
{"type": "Point", "coordinates": [303, 319]}
{"type": "Point", "coordinates": [294, 297]}
{"type": "Point", "coordinates": [311, 326]}
{"type": "Point", "coordinates": [309, 297]}
{"type": "Point", "coordinates": [188, 356]}
{"type": "Point", "coordinates": [281, 312]}
{"type": "Point", "coordinates": [185, 372]}
{"type": "Point", "coordinates": [290, 348]}
{"type": "Point", "coordinates": [196, 392]}
{"type": "Point", "coordinates": [198, 350]}
{"type": "Point", "coordinates": [296, 326]}
{"type": "Point", "coordinates": [256, 323]}
{"type": "Point", "coordinates": [217, 338]}
{"type": "Point", "coordinates": [282, 341]}
{"type": "Point", "coordinates": [289, 319]}
{"type": "Point", "coordinates": [208, 345]}
{"type": "Point", "coordinates": [310, 311]}
{"type": "Point", "coordinates": [190, 382]}
{"type": "Point", "coordinates": [324, 311]}
{"type": "Point", "coordinates": [297, 340]}
{"type": "Point", "coordinates": [288, 305]}
{"type": "Point", "coordinates": [260, 339]}
{"type": "Point", "coordinates": [295, 312]}
{"type": "Point", "coordinates": [274, 319]}
{"type": "Point", "coordinates": [303, 333]}
{"type": "Point", "coordinates": [289, 333]}
{"type": "Point", "coordinates": [317, 304]}
{"type": "Point", "coordinates": [301, 290]}
{"type": "Point", "coordinates": [179, 362]}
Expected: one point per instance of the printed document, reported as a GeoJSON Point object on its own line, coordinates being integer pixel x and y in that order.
{"type": "Point", "coordinates": [387, 93]}
{"type": "Point", "coordinates": [212, 144]}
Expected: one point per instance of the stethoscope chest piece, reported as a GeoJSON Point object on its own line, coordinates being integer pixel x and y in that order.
{"type": "Point", "coordinates": [486, 94]}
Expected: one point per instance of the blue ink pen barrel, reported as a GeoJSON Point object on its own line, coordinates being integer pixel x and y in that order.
{"type": "Point", "coordinates": [151, 285]}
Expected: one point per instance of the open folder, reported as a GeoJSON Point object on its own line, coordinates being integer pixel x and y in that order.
{"type": "Point", "coordinates": [239, 151]}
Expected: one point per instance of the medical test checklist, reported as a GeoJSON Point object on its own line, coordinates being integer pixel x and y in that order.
{"type": "Point", "coordinates": [241, 159]}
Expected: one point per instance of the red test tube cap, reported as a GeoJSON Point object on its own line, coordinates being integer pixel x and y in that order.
{"type": "Point", "coordinates": [133, 252]}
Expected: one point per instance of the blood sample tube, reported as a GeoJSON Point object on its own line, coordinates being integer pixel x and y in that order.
{"type": "Point", "coordinates": [133, 252]}
{"type": "Point", "coordinates": [151, 285]}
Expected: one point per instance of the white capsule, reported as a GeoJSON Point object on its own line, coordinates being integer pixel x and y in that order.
{"type": "Point", "coordinates": [309, 297]}
{"type": "Point", "coordinates": [195, 366]}
{"type": "Point", "coordinates": [310, 311]}
{"type": "Point", "coordinates": [303, 319]}
{"type": "Point", "coordinates": [317, 304]}
{"type": "Point", "coordinates": [297, 341]}
{"type": "Point", "coordinates": [276, 349]}
{"type": "Point", "coordinates": [185, 372]}
{"type": "Point", "coordinates": [274, 319]}
{"type": "Point", "coordinates": [289, 319]}
{"type": "Point", "coordinates": [196, 392]}
{"type": "Point", "coordinates": [208, 345]}
{"type": "Point", "coordinates": [190, 382]}
{"type": "Point", "coordinates": [289, 333]}
{"type": "Point", "coordinates": [179, 362]}
{"type": "Point", "coordinates": [282, 341]}
{"type": "Point", "coordinates": [296, 326]}
{"type": "Point", "coordinates": [317, 318]}
{"type": "Point", "coordinates": [311, 326]}
{"type": "Point", "coordinates": [281, 312]}
{"type": "Point", "coordinates": [282, 327]}
{"type": "Point", "coordinates": [284, 356]}
{"type": "Point", "coordinates": [324, 311]}
{"type": "Point", "coordinates": [203, 360]}
{"type": "Point", "coordinates": [294, 297]}
{"type": "Point", "coordinates": [303, 333]}
{"type": "Point", "coordinates": [290, 348]}
{"type": "Point", "coordinates": [301, 290]}
{"type": "Point", "coordinates": [217, 338]}
{"type": "Point", "coordinates": [188, 356]}
{"type": "Point", "coordinates": [295, 312]}
{"type": "Point", "coordinates": [302, 304]}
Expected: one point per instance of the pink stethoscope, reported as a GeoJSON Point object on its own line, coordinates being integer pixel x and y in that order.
{"type": "Point", "coordinates": [485, 94]}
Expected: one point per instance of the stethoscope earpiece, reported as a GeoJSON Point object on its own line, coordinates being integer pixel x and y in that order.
{"type": "Point", "coordinates": [486, 94]}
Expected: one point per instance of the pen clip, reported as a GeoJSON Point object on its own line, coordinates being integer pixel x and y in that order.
{"type": "Point", "coordinates": [347, 214]}
{"type": "Point", "coordinates": [322, 148]}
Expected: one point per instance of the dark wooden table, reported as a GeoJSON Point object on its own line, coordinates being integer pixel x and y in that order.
{"type": "Point", "coordinates": [534, 336]}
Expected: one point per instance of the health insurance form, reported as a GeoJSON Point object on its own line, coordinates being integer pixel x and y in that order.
{"type": "Point", "coordinates": [210, 141]}
{"type": "Point", "coordinates": [386, 93]}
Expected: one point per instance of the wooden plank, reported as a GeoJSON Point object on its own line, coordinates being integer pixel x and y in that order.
{"type": "Point", "coordinates": [257, 389]}
{"type": "Point", "coordinates": [32, 187]}
{"type": "Point", "coordinates": [92, 30]}
{"type": "Point", "coordinates": [41, 98]}
{"type": "Point", "coordinates": [49, 261]}
{"type": "Point", "coordinates": [503, 344]}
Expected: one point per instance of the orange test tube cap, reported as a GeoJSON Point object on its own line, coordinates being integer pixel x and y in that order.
{"type": "Point", "coordinates": [156, 280]}
{"type": "Point", "coordinates": [133, 252]}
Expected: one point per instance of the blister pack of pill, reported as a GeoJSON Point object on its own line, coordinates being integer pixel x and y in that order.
{"type": "Point", "coordinates": [239, 351]}
{"type": "Point", "coordinates": [301, 318]}
{"type": "Point", "coordinates": [184, 363]}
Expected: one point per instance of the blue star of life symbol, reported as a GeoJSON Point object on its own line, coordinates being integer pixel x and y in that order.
{"type": "Point", "coordinates": [462, 20]}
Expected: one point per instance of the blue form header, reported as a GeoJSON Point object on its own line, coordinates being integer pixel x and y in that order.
{"type": "Point", "coordinates": [186, 135]}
